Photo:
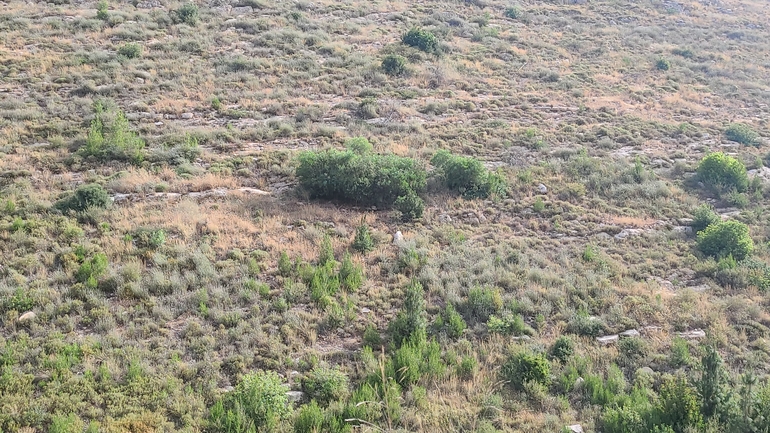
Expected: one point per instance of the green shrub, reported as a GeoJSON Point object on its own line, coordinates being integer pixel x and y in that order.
{"type": "Point", "coordinates": [680, 353]}
{"type": "Point", "coordinates": [326, 254]}
{"type": "Point", "coordinates": [728, 238]}
{"type": "Point", "coordinates": [508, 324]}
{"type": "Point", "coordinates": [351, 274]}
{"type": "Point", "coordinates": [450, 322]}
{"type": "Point", "coordinates": [468, 176]}
{"type": "Point", "coordinates": [285, 266]}
{"type": "Point", "coordinates": [421, 39]}
{"type": "Point", "coordinates": [678, 406]}
{"type": "Point", "coordinates": [702, 217]}
{"type": "Point", "coordinates": [363, 242]}
{"type": "Point", "coordinates": [410, 321]}
{"type": "Point", "coordinates": [513, 12]}
{"type": "Point", "coordinates": [309, 419]}
{"type": "Point", "coordinates": [411, 206]}
{"type": "Point", "coordinates": [663, 64]}
{"type": "Point", "coordinates": [523, 367]}
{"type": "Point", "coordinates": [483, 302]}
{"type": "Point", "coordinates": [585, 325]}
{"type": "Point", "coordinates": [112, 142]}
{"type": "Point", "coordinates": [326, 385]}
{"type": "Point", "coordinates": [723, 172]}
{"type": "Point", "coordinates": [187, 14]}
{"type": "Point", "coordinates": [368, 179]}
{"type": "Point", "coordinates": [258, 403]}
{"type": "Point", "coordinates": [562, 349]}
{"type": "Point", "coordinates": [130, 50]}
{"type": "Point", "coordinates": [102, 10]}
{"type": "Point", "coordinates": [85, 197]}
{"type": "Point", "coordinates": [21, 301]}
{"type": "Point", "coordinates": [359, 145]}
{"type": "Point", "coordinates": [405, 364]}
{"type": "Point", "coordinates": [741, 133]}
{"type": "Point", "coordinates": [394, 65]}
{"type": "Point", "coordinates": [149, 239]}
{"type": "Point", "coordinates": [91, 270]}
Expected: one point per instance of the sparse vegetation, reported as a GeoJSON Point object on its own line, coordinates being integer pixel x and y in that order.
{"type": "Point", "coordinates": [741, 133]}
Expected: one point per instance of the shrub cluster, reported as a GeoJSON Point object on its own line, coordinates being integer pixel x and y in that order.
{"type": "Point", "coordinates": [723, 172]}
{"type": "Point", "coordinates": [723, 239]}
{"type": "Point", "coordinates": [365, 179]}
{"type": "Point", "coordinates": [468, 176]}
{"type": "Point", "coordinates": [421, 39]}
{"type": "Point", "coordinates": [741, 133]}
{"type": "Point", "coordinates": [112, 141]}
{"type": "Point", "coordinates": [258, 403]}
{"type": "Point", "coordinates": [394, 65]}
{"type": "Point", "coordinates": [87, 196]}
{"type": "Point", "coordinates": [524, 367]}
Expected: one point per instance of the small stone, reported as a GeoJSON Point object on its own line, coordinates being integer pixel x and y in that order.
{"type": "Point", "coordinates": [158, 123]}
{"type": "Point", "coordinates": [139, 80]}
{"type": "Point", "coordinates": [295, 396]}
{"type": "Point", "coordinates": [444, 218]}
{"type": "Point", "coordinates": [630, 333]}
{"type": "Point", "coordinates": [695, 334]}
{"type": "Point", "coordinates": [365, 310]}
{"type": "Point", "coordinates": [542, 189]}
{"type": "Point", "coordinates": [27, 317]}
{"type": "Point", "coordinates": [243, 10]}
{"type": "Point", "coordinates": [253, 191]}
{"type": "Point", "coordinates": [187, 116]}
{"type": "Point", "coordinates": [474, 221]}
{"type": "Point", "coordinates": [398, 237]}
{"type": "Point", "coordinates": [578, 382]}
{"type": "Point", "coordinates": [608, 339]}
{"type": "Point", "coordinates": [575, 428]}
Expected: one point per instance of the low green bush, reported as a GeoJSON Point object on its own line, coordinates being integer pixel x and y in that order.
{"type": "Point", "coordinates": [741, 133]}
{"type": "Point", "coordinates": [85, 197]}
{"type": "Point", "coordinates": [112, 140]}
{"type": "Point", "coordinates": [468, 176]}
{"type": "Point", "coordinates": [562, 349]}
{"type": "Point", "coordinates": [728, 238]}
{"type": "Point", "coordinates": [663, 64]}
{"type": "Point", "coordinates": [363, 241]}
{"type": "Point", "coordinates": [508, 324]}
{"type": "Point", "coordinates": [394, 65]}
{"type": "Point", "coordinates": [364, 179]}
{"type": "Point", "coordinates": [258, 403]}
{"type": "Point", "coordinates": [421, 39]}
{"type": "Point", "coordinates": [524, 367]}
{"type": "Point", "coordinates": [702, 217]}
{"type": "Point", "coordinates": [326, 385]}
{"type": "Point", "coordinates": [482, 302]}
{"type": "Point", "coordinates": [130, 50]}
{"type": "Point", "coordinates": [187, 14]}
{"type": "Point", "coordinates": [720, 171]}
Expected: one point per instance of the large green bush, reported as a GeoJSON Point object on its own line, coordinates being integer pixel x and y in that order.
{"type": "Point", "coordinates": [87, 196]}
{"type": "Point", "coordinates": [326, 385]}
{"type": "Point", "coordinates": [723, 172]}
{"type": "Point", "coordinates": [364, 179]}
{"type": "Point", "coordinates": [112, 140]}
{"type": "Point", "coordinates": [468, 176]}
{"type": "Point", "coordinates": [524, 367]}
{"type": "Point", "coordinates": [741, 133]}
{"type": "Point", "coordinates": [728, 238]}
{"type": "Point", "coordinates": [421, 39]}
{"type": "Point", "coordinates": [258, 403]}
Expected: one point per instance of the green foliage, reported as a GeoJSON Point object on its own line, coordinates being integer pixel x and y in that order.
{"type": "Point", "coordinates": [91, 269]}
{"type": "Point", "coordinates": [187, 14]}
{"type": "Point", "coordinates": [258, 403]}
{"type": "Point", "coordinates": [102, 10]}
{"type": "Point", "coordinates": [285, 266]}
{"type": "Point", "coordinates": [450, 322]}
{"type": "Point", "coordinates": [130, 50]}
{"type": "Point", "coordinates": [524, 367]}
{"type": "Point", "coordinates": [468, 176]}
{"type": "Point", "coordinates": [712, 386]}
{"type": "Point", "coordinates": [410, 321]}
{"type": "Point", "coordinates": [583, 324]}
{"type": "Point", "coordinates": [414, 360]}
{"type": "Point", "coordinates": [367, 179]}
{"type": "Point", "coordinates": [309, 419]}
{"type": "Point", "coordinates": [562, 349]}
{"type": "Point", "coordinates": [359, 145]}
{"type": "Point", "coordinates": [704, 216]}
{"type": "Point", "coordinates": [394, 65]}
{"type": "Point", "coordinates": [720, 171]}
{"type": "Point", "coordinates": [21, 301]}
{"type": "Point", "coordinates": [326, 254]}
{"type": "Point", "coordinates": [411, 206]}
{"type": "Point", "coordinates": [680, 353]}
{"type": "Point", "coordinates": [149, 239]}
{"type": "Point", "coordinates": [420, 39]}
{"type": "Point", "coordinates": [513, 12]}
{"type": "Point", "coordinates": [508, 324]}
{"type": "Point", "coordinates": [87, 196]}
{"type": "Point", "coordinates": [113, 141]}
{"type": "Point", "coordinates": [742, 133]}
{"type": "Point", "coordinates": [326, 385]}
{"type": "Point", "coordinates": [363, 242]}
{"type": "Point", "coordinates": [351, 274]}
{"type": "Point", "coordinates": [678, 406]}
{"type": "Point", "coordinates": [66, 424]}
{"type": "Point", "coordinates": [482, 302]}
{"type": "Point", "coordinates": [663, 64]}
{"type": "Point", "coordinates": [728, 238]}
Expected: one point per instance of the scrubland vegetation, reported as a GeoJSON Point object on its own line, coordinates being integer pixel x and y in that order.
{"type": "Point", "coordinates": [340, 216]}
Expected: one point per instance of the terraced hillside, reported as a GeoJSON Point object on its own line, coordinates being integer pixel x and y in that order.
{"type": "Point", "coordinates": [339, 216]}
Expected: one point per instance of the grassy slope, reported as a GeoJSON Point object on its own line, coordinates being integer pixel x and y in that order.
{"type": "Point", "coordinates": [567, 95]}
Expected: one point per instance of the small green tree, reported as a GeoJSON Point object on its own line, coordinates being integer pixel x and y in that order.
{"type": "Point", "coordinates": [187, 14]}
{"type": "Point", "coordinates": [663, 64]}
{"type": "Point", "coordinates": [712, 386]}
{"type": "Point", "coordinates": [363, 242]}
{"type": "Point", "coordinates": [421, 39]}
{"type": "Point", "coordinates": [326, 385]}
{"type": "Point", "coordinates": [258, 403]}
{"type": "Point", "coordinates": [102, 10]}
{"type": "Point", "coordinates": [704, 216]}
{"type": "Point", "coordinates": [410, 321]}
{"type": "Point", "coordinates": [130, 50]}
{"type": "Point", "coordinates": [468, 176]}
{"type": "Point", "coordinates": [678, 406]}
{"type": "Point", "coordinates": [394, 65]}
{"type": "Point", "coordinates": [723, 172]}
{"type": "Point", "coordinates": [87, 196]}
{"type": "Point", "coordinates": [728, 238]}
{"type": "Point", "coordinates": [524, 367]}
{"type": "Point", "coordinates": [562, 349]}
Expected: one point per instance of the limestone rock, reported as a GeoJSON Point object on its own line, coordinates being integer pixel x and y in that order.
{"type": "Point", "coordinates": [398, 237]}
{"type": "Point", "coordinates": [608, 339]}
{"type": "Point", "coordinates": [630, 333]}
{"type": "Point", "coordinates": [27, 317]}
{"type": "Point", "coordinates": [542, 189]}
{"type": "Point", "coordinates": [575, 428]}
{"type": "Point", "coordinates": [695, 334]}
{"type": "Point", "coordinates": [295, 396]}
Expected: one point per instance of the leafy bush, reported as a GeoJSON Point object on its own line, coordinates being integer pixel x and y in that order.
{"type": "Point", "coordinates": [508, 324]}
{"type": "Point", "coordinates": [285, 266]}
{"type": "Point", "coordinates": [562, 349]}
{"type": "Point", "coordinates": [728, 238]}
{"type": "Point", "coordinates": [363, 242]}
{"type": "Point", "coordinates": [741, 133]}
{"type": "Point", "coordinates": [704, 216]}
{"type": "Point", "coordinates": [187, 14]}
{"type": "Point", "coordinates": [351, 274]}
{"type": "Point", "coordinates": [411, 206]}
{"type": "Point", "coordinates": [112, 142]}
{"type": "Point", "coordinates": [130, 50]}
{"type": "Point", "coordinates": [394, 65]}
{"type": "Point", "coordinates": [421, 39]}
{"type": "Point", "coordinates": [525, 367]}
{"type": "Point", "coordinates": [85, 197]}
{"type": "Point", "coordinates": [585, 325]}
{"type": "Point", "coordinates": [91, 270]}
{"type": "Point", "coordinates": [309, 419]}
{"type": "Point", "coordinates": [723, 172]}
{"type": "Point", "coordinates": [450, 322]}
{"type": "Point", "coordinates": [663, 64]}
{"type": "Point", "coordinates": [410, 321]}
{"type": "Point", "coordinates": [359, 145]}
{"type": "Point", "coordinates": [258, 403]}
{"type": "Point", "coordinates": [513, 12]}
{"type": "Point", "coordinates": [326, 385]}
{"type": "Point", "coordinates": [102, 10]}
{"type": "Point", "coordinates": [468, 176]}
{"type": "Point", "coordinates": [678, 406]}
{"type": "Point", "coordinates": [483, 302]}
{"type": "Point", "coordinates": [368, 179]}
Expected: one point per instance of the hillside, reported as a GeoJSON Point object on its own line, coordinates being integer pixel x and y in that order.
{"type": "Point", "coordinates": [338, 216]}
